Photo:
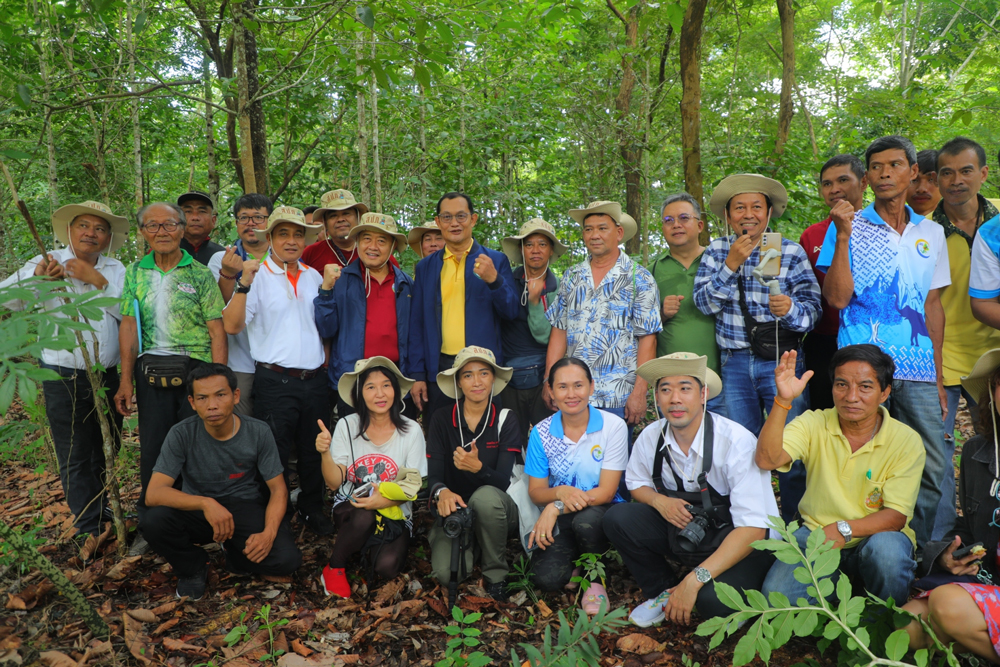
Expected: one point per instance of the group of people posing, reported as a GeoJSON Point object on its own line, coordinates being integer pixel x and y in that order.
{"type": "Point", "coordinates": [510, 394]}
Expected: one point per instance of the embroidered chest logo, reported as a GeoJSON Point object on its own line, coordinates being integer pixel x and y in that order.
{"type": "Point", "coordinates": [187, 289]}
{"type": "Point", "coordinates": [597, 453]}
{"type": "Point", "coordinates": [923, 248]}
{"type": "Point", "coordinates": [874, 500]}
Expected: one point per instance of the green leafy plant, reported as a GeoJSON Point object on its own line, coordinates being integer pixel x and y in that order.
{"type": "Point", "coordinates": [463, 638]}
{"type": "Point", "coordinates": [264, 616]}
{"type": "Point", "coordinates": [575, 644]}
{"type": "Point", "coordinates": [238, 633]}
{"type": "Point", "coordinates": [866, 630]}
{"type": "Point", "coordinates": [520, 578]}
{"type": "Point", "coordinates": [592, 569]}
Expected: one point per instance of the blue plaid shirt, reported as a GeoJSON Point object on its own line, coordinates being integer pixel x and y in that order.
{"type": "Point", "coordinates": [717, 293]}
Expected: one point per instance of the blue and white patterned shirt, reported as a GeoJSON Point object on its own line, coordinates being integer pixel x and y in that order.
{"type": "Point", "coordinates": [602, 325]}
{"type": "Point", "coordinates": [716, 292]}
{"type": "Point", "coordinates": [892, 273]}
{"type": "Point", "coordinates": [984, 281]}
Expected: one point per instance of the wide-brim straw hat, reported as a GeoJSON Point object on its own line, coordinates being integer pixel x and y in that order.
{"type": "Point", "coordinates": [448, 382]}
{"type": "Point", "coordinates": [978, 379]}
{"type": "Point", "coordinates": [292, 215]}
{"type": "Point", "coordinates": [338, 200]}
{"type": "Point", "coordinates": [415, 236]}
{"type": "Point", "coordinates": [512, 244]}
{"type": "Point", "coordinates": [381, 223]}
{"type": "Point", "coordinates": [612, 209]}
{"type": "Point", "coordinates": [739, 184]}
{"type": "Point", "coordinates": [345, 387]}
{"type": "Point", "coordinates": [681, 363]}
{"type": "Point", "coordinates": [65, 215]}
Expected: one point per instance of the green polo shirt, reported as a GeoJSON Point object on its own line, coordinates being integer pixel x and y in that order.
{"type": "Point", "coordinates": [690, 330]}
{"type": "Point", "coordinates": [174, 306]}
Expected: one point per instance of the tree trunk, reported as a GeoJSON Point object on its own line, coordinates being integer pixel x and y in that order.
{"type": "Point", "coordinates": [461, 123]}
{"type": "Point", "coordinates": [255, 109]}
{"type": "Point", "coordinates": [629, 148]}
{"type": "Point", "coordinates": [362, 141]}
{"type": "Point", "coordinates": [44, 63]}
{"type": "Point", "coordinates": [690, 50]}
{"type": "Point", "coordinates": [423, 156]}
{"type": "Point", "coordinates": [213, 172]}
{"type": "Point", "coordinates": [136, 124]}
{"type": "Point", "coordinates": [644, 201]}
{"type": "Point", "coordinates": [242, 84]}
{"type": "Point", "coordinates": [786, 107]}
{"type": "Point", "coordinates": [376, 167]}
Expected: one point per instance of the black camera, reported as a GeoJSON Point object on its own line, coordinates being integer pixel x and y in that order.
{"type": "Point", "coordinates": [458, 522]}
{"type": "Point", "coordinates": [691, 536]}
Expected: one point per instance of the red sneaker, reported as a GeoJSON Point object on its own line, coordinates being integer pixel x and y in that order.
{"type": "Point", "coordinates": [335, 582]}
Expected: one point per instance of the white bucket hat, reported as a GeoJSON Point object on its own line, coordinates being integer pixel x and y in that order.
{"type": "Point", "coordinates": [739, 184]}
{"type": "Point", "coordinates": [611, 209]}
{"type": "Point", "coordinates": [345, 386]}
{"type": "Point", "coordinates": [512, 244]}
{"type": "Point", "coordinates": [292, 215]}
{"type": "Point", "coordinates": [448, 382]}
{"type": "Point", "coordinates": [682, 363]}
{"type": "Point", "coordinates": [64, 215]}
{"type": "Point", "coordinates": [378, 222]}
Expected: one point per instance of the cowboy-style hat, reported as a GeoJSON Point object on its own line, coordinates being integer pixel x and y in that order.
{"type": "Point", "coordinates": [448, 381]}
{"type": "Point", "coordinates": [416, 235]}
{"type": "Point", "coordinates": [681, 363]}
{"type": "Point", "coordinates": [611, 209]}
{"type": "Point", "coordinates": [739, 184]}
{"type": "Point", "coordinates": [977, 381]}
{"type": "Point", "coordinates": [196, 194]}
{"type": "Point", "coordinates": [292, 215]}
{"type": "Point", "coordinates": [378, 222]}
{"type": "Point", "coordinates": [345, 387]}
{"type": "Point", "coordinates": [66, 214]}
{"type": "Point", "coordinates": [512, 244]}
{"type": "Point", "coordinates": [337, 200]}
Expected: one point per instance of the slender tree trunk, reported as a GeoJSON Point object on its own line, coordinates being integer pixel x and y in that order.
{"type": "Point", "coordinates": [629, 147]}
{"type": "Point", "coordinates": [44, 62]}
{"type": "Point", "coordinates": [136, 124]}
{"type": "Point", "coordinates": [362, 141]}
{"type": "Point", "coordinates": [423, 156]}
{"type": "Point", "coordinates": [461, 123]}
{"type": "Point", "coordinates": [242, 84]}
{"type": "Point", "coordinates": [644, 201]}
{"type": "Point", "coordinates": [786, 107]}
{"type": "Point", "coordinates": [213, 172]}
{"type": "Point", "coordinates": [255, 109]}
{"type": "Point", "coordinates": [376, 166]}
{"type": "Point", "coordinates": [690, 50]}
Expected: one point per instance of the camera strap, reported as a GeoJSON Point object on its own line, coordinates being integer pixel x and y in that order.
{"type": "Point", "coordinates": [706, 465]}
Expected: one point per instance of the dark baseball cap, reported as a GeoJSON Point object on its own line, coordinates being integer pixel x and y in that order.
{"type": "Point", "coordinates": [196, 194]}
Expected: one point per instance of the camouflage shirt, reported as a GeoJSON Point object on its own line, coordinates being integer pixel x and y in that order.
{"type": "Point", "coordinates": [174, 306]}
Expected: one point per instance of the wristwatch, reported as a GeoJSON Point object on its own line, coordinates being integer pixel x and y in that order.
{"type": "Point", "coordinates": [702, 575]}
{"type": "Point", "coordinates": [844, 529]}
{"type": "Point", "coordinates": [437, 494]}
{"type": "Point", "coordinates": [241, 288]}
{"type": "Point", "coordinates": [560, 506]}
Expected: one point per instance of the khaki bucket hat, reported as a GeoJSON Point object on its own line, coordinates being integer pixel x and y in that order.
{"type": "Point", "coordinates": [292, 215]}
{"type": "Point", "coordinates": [739, 184]}
{"type": "Point", "coordinates": [448, 381]}
{"type": "Point", "coordinates": [337, 200]}
{"type": "Point", "coordinates": [609, 208]}
{"type": "Point", "coordinates": [345, 387]}
{"type": "Point", "coordinates": [512, 244]}
{"type": "Point", "coordinates": [416, 235]}
{"type": "Point", "coordinates": [379, 222]}
{"type": "Point", "coordinates": [681, 363]}
{"type": "Point", "coordinates": [65, 215]}
{"type": "Point", "coordinates": [977, 381]}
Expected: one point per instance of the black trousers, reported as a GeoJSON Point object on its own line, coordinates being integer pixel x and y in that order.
{"type": "Point", "coordinates": [639, 534]}
{"type": "Point", "coordinates": [159, 409]}
{"type": "Point", "coordinates": [527, 405]}
{"type": "Point", "coordinates": [819, 350]}
{"type": "Point", "coordinates": [354, 527]}
{"type": "Point", "coordinates": [76, 432]}
{"type": "Point", "coordinates": [291, 407]}
{"type": "Point", "coordinates": [175, 534]}
{"type": "Point", "coordinates": [579, 533]}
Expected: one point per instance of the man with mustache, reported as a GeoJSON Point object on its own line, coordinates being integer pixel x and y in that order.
{"type": "Point", "coordinates": [924, 194]}
{"type": "Point", "coordinates": [199, 210]}
{"type": "Point", "coordinates": [338, 215]}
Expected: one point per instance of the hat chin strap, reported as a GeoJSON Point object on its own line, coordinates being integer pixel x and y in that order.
{"type": "Point", "coordinates": [485, 418]}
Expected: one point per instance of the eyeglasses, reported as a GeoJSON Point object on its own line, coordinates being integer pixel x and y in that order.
{"type": "Point", "coordinates": [247, 220]}
{"type": "Point", "coordinates": [153, 227]}
{"type": "Point", "coordinates": [683, 218]}
{"type": "Point", "coordinates": [448, 217]}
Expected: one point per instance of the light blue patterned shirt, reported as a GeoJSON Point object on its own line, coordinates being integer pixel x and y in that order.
{"type": "Point", "coordinates": [603, 325]}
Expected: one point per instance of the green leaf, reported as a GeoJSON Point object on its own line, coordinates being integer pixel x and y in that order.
{"type": "Point", "coordinates": [23, 97]}
{"type": "Point", "coordinates": [863, 637]}
{"type": "Point", "coordinates": [777, 599]}
{"type": "Point", "coordinates": [366, 16]}
{"type": "Point", "coordinates": [785, 624]}
{"type": "Point", "coordinates": [832, 630]}
{"type": "Point", "coordinates": [756, 600]}
{"type": "Point", "coordinates": [140, 22]}
{"type": "Point", "coordinates": [729, 596]}
{"type": "Point", "coordinates": [469, 641]}
{"type": "Point", "coordinates": [826, 563]}
{"type": "Point", "coordinates": [802, 575]}
{"type": "Point", "coordinates": [877, 12]}
{"type": "Point", "coordinates": [826, 587]}
{"type": "Point", "coordinates": [7, 392]}
{"type": "Point", "coordinates": [745, 649]}
{"type": "Point", "coordinates": [422, 75]}
{"type": "Point", "coordinates": [472, 618]}
{"type": "Point", "coordinates": [711, 626]}
{"type": "Point", "coordinates": [920, 657]}
{"type": "Point", "coordinates": [15, 154]}
{"type": "Point", "coordinates": [896, 645]}
{"type": "Point", "coordinates": [452, 630]}
{"type": "Point", "coordinates": [806, 623]}
{"type": "Point", "coordinates": [456, 614]}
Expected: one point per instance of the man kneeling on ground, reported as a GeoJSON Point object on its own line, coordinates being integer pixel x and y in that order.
{"type": "Point", "coordinates": [222, 460]}
{"type": "Point", "coordinates": [863, 470]}
{"type": "Point", "coordinates": [692, 466]}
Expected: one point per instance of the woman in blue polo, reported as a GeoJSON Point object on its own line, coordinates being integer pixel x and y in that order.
{"type": "Point", "coordinates": [574, 462]}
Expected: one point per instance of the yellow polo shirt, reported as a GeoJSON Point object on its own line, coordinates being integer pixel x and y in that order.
{"type": "Point", "coordinates": [453, 301]}
{"type": "Point", "coordinates": [965, 337]}
{"type": "Point", "coordinates": [842, 485]}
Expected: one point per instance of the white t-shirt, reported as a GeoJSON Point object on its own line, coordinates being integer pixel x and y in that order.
{"type": "Point", "coordinates": [239, 345]}
{"type": "Point", "coordinates": [733, 472]}
{"type": "Point", "coordinates": [367, 462]}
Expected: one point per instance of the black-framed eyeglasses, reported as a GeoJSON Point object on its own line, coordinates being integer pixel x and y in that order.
{"type": "Point", "coordinates": [153, 227]}
{"type": "Point", "coordinates": [460, 217]}
{"type": "Point", "coordinates": [683, 218]}
{"type": "Point", "coordinates": [246, 220]}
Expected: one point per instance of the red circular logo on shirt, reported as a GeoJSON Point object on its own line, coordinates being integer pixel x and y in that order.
{"type": "Point", "coordinates": [372, 468]}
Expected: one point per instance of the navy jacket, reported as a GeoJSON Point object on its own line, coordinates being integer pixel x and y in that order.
{"type": "Point", "coordinates": [340, 315]}
{"type": "Point", "coordinates": [484, 306]}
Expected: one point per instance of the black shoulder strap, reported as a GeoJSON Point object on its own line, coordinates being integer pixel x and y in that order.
{"type": "Point", "coordinates": [706, 464]}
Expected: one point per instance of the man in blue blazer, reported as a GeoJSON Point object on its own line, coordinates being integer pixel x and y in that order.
{"type": "Point", "coordinates": [460, 294]}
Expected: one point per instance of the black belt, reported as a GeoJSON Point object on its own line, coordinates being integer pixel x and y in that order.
{"type": "Point", "coordinates": [300, 373]}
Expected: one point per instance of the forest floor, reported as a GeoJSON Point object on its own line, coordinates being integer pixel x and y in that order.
{"type": "Point", "coordinates": [398, 623]}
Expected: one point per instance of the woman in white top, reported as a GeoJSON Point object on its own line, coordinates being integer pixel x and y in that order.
{"type": "Point", "coordinates": [370, 447]}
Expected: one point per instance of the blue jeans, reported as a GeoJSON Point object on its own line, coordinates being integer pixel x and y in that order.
{"type": "Point", "coordinates": [946, 515]}
{"type": "Point", "coordinates": [883, 562]}
{"type": "Point", "coordinates": [748, 382]}
{"type": "Point", "coordinates": [916, 404]}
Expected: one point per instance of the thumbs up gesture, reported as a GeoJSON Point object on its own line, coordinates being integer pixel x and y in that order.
{"type": "Point", "coordinates": [468, 460]}
{"type": "Point", "coordinates": [323, 438]}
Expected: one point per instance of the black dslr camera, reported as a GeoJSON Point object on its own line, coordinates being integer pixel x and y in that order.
{"type": "Point", "coordinates": [702, 519]}
{"type": "Point", "coordinates": [458, 522]}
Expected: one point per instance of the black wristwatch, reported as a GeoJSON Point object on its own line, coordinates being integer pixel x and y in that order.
{"type": "Point", "coordinates": [241, 288]}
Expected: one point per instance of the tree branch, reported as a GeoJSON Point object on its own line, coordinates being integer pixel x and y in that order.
{"type": "Point", "coordinates": [111, 96]}
{"type": "Point", "coordinates": [614, 10]}
{"type": "Point", "coordinates": [305, 156]}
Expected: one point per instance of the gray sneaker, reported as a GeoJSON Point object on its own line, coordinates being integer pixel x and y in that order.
{"type": "Point", "coordinates": [140, 547]}
{"type": "Point", "coordinates": [650, 612]}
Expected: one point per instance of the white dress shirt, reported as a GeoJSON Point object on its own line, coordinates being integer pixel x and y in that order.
{"type": "Point", "coordinates": [240, 359]}
{"type": "Point", "coordinates": [280, 323]}
{"type": "Point", "coordinates": [105, 329]}
{"type": "Point", "coordinates": [733, 472]}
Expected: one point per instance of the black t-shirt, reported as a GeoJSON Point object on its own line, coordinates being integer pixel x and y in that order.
{"type": "Point", "coordinates": [202, 253]}
{"type": "Point", "coordinates": [213, 468]}
{"type": "Point", "coordinates": [497, 450]}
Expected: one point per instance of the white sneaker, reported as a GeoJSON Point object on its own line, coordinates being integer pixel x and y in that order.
{"type": "Point", "coordinates": [650, 612]}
